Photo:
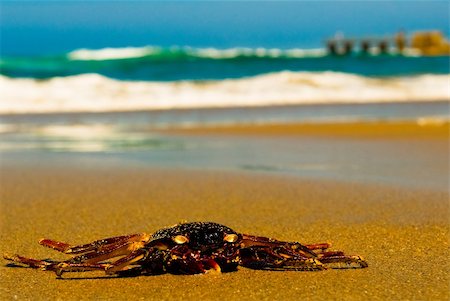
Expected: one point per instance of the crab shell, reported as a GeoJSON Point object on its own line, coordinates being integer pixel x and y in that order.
{"type": "Point", "coordinates": [193, 248]}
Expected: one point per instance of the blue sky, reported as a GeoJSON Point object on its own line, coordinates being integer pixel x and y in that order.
{"type": "Point", "coordinates": [32, 27]}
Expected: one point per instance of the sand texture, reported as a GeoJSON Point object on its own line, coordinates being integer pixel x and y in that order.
{"type": "Point", "coordinates": [422, 129]}
{"type": "Point", "coordinates": [402, 233]}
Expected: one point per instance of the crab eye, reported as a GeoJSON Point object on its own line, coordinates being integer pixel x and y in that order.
{"type": "Point", "coordinates": [180, 239]}
{"type": "Point", "coordinates": [230, 238]}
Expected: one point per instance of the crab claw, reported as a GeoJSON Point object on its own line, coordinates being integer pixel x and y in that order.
{"type": "Point", "coordinates": [213, 264]}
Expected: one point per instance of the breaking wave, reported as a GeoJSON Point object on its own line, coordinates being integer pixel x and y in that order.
{"type": "Point", "coordinates": [155, 63]}
{"type": "Point", "coordinates": [96, 93]}
{"type": "Point", "coordinates": [177, 52]}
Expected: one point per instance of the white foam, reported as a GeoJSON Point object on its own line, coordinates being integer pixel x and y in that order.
{"type": "Point", "coordinates": [211, 53]}
{"type": "Point", "coordinates": [214, 53]}
{"type": "Point", "coordinates": [78, 132]}
{"type": "Point", "coordinates": [111, 53]}
{"type": "Point", "coordinates": [95, 93]}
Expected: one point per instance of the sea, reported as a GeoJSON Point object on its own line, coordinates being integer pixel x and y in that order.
{"type": "Point", "coordinates": [81, 78]}
{"type": "Point", "coordinates": [182, 77]}
{"type": "Point", "coordinates": [101, 57]}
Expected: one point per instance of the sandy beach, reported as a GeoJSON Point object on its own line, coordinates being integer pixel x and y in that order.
{"type": "Point", "coordinates": [401, 232]}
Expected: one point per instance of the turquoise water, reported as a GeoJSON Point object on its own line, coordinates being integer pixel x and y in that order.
{"type": "Point", "coordinates": [155, 63]}
{"type": "Point", "coordinates": [195, 40]}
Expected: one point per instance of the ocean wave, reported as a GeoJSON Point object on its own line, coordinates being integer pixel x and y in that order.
{"type": "Point", "coordinates": [177, 52]}
{"type": "Point", "coordinates": [154, 63]}
{"type": "Point", "coordinates": [95, 93]}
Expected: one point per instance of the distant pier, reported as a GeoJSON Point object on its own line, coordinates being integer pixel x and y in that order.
{"type": "Point", "coordinates": [429, 43]}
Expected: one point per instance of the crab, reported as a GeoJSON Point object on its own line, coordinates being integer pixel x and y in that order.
{"type": "Point", "coordinates": [190, 248]}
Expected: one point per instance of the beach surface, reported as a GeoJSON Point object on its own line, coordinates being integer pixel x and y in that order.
{"type": "Point", "coordinates": [402, 232]}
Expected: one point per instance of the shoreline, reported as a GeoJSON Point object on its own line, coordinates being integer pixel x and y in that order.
{"type": "Point", "coordinates": [263, 107]}
{"type": "Point", "coordinates": [398, 153]}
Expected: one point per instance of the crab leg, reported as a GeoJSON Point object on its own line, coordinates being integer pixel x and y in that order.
{"type": "Point", "coordinates": [123, 262]}
{"type": "Point", "coordinates": [310, 264]}
{"type": "Point", "coordinates": [319, 246]}
{"type": "Point", "coordinates": [330, 254]}
{"type": "Point", "coordinates": [57, 267]}
{"type": "Point", "coordinates": [93, 246]}
{"type": "Point", "coordinates": [109, 268]}
{"type": "Point", "coordinates": [344, 261]}
{"type": "Point", "coordinates": [270, 254]}
{"type": "Point", "coordinates": [251, 240]}
{"type": "Point", "coordinates": [87, 261]}
{"type": "Point", "coordinates": [76, 267]}
{"type": "Point", "coordinates": [107, 253]}
{"type": "Point", "coordinates": [30, 262]}
{"type": "Point", "coordinates": [267, 258]}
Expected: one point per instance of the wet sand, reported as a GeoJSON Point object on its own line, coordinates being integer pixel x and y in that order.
{"type": "Point", "coordinates": [421, 129]}
{"type": "Point", "coordinates": [402, 233]}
